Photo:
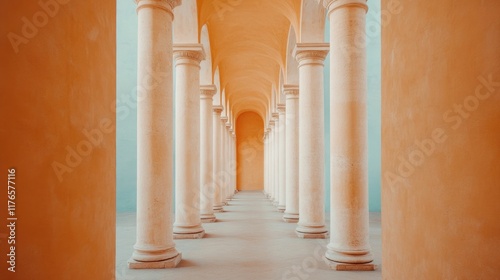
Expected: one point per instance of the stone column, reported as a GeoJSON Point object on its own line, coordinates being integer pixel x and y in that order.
{"type": "Point", "coordinates": [154, 247]}
{"type": "Point", "coordinates": [227, 161]}
{"type": "Point", "coordinates": [311, 140]}
{"type": "Point", "coordinates": [217, 158]}
{"type": "Point", "coordinates": [349, 242]}
{"type": "Point", "coordinates": [187, 141]}
{"type": "Point", "coordinates": [224, 174]}
{"type": "Point", "coordinates": [270, 165]}
{"type": "Point", "coordinates": [276, 159]}
{"type": "Point", "coordinates": [282, 157]}
{"type": "Point", "coordinates": [292, 154]}
{"type": "Point", "coordinates": [264, 140]}
{"type": "Point", "coordinates": [206, 155]}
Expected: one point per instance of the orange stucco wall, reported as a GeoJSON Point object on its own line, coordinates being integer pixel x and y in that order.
{"type": "Point", "coordinates": [57, 87]}
{"type": "Point", "coordinates": [441, 140]}
{"type": "Point", "coordinates": [250, 152]}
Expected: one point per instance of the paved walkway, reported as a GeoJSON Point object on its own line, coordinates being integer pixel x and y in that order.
{"type": "Point", "coordinates": [248, 241]}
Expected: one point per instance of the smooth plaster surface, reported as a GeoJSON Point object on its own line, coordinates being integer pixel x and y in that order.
{"type": "Point", "coordinates": [441, 141]}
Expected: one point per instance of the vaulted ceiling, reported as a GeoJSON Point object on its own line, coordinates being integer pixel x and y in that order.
{"type": "Point", "coordinates": [248, 46]}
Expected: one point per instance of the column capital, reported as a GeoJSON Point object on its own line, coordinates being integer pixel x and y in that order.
{"type": "Point", "coordinates": [228, 125]}
{"type": "Point", "coordinates": [332, 5]}
{"type": "Point", "coordinates": [281, 109]}
{"type": "Point", "coordinates": [192, 52]}
{"type": "Point", "coordinates": [166, 5]}
{"type": "Point", "coordinates": [217, 109]}
{"type": "Point", "coordinates": [223, 119]}
{"type": "Point", "coordinates": [291, 91]}
{"type": "Point", "coordinates": [271, 124]}
{"type": "Point", "coordinates": [276, 115]}
{"type": "Point", "coordinates": [207, 91]}
{"type": "Point", "coordinates": [311, 53]}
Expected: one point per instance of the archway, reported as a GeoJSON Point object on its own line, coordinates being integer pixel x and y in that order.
{"type": "Point", "coordinates": [250, 152]}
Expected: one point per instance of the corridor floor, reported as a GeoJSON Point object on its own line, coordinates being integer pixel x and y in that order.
{"type": "Point", "coordinates": [248, 241]}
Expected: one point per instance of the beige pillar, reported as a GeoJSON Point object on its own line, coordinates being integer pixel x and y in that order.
{"type": "Point", "coordinates": [154, 247]}
{"type": "Point", "coordinates": [266, 154]}
{"type": "Point", "coordinates": [292, 154]}
{"type": "Point", "coordinates": [206, 155]}
{"type": "Point", "coordinates": [217, 158]}
{"type": "Point", "coordinates": [276, 159]}
{"type": "Point", "coordinates": [311, 140]}
{"type": "Point", "coordinates": [187, 141]}
{"type": "Point", "coordinates": [349, 242]}
{"type": "Point", "coordinates": [224, 174]}
{"type": "Point", "coordinates": [227, 161]}
{"type": "Point", "coordinates": [282, 157]}
{"type": "Point", "coordinates": [271, 160]}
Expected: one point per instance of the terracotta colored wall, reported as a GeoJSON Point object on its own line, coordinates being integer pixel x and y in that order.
{"type": "Point", "coordinates": [250, 152]}
{"type": "Point", "coordinates": [58, 87]}
{"type": "Point", "coordinates": [441, 140]}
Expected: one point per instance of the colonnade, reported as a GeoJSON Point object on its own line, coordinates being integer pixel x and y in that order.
{"type": "Point", "coordinates": [205, 142]}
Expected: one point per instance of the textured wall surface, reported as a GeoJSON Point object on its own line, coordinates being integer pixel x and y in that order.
{"type": "Point", "coordinates": [440, 135]}
{"type": "Point", "coordinates": [58, 132]}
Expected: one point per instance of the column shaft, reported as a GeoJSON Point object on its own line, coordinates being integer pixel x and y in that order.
{"type": "Point", "coordinates": [187, 141]}
{"type": "Point", "coordinates": [349, 242]}
{"type": "Point", "coordinates": [311, 140]}
{"type": "Point", "coordinates": [154, 247]}
{"type": "Point", "coordinates": [282, 158]}
{"type": "Point", "coordinates": [206, 155]}
{"type": "Point", "coordinates": [276, 159]}
{"type": "Point", "coordinates": [292, 154]}
{"type": "Point", "coordinates": [217, 158]}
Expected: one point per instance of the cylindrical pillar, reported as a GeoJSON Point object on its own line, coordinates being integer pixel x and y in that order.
{"type": "Point", "coordinates": [217, 158]}
{"type": "Point", "coordinates": [311, 140]}
{"type": "Point", "coordinates": [276, 159]}
{"type": "Point", "coordinates": [223, 176]}
{"type": "Point", "coordinates": [187, 141]}
{"type": "Point", "coordinates": [292, 154]}
{"type": "Point", "coordinates": [270, 165]}
{"type": "Point", "coordinates": [349, 241]}
{"type": "Point", "coordinates": [207, 186]}
{"type": "Point", "coordinates": [154, 247]}
{"type": "Point", "coordinates": [282, 157]}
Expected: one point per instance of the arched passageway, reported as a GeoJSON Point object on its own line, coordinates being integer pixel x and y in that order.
{"type": "Point", "coordinates": [250, 152]}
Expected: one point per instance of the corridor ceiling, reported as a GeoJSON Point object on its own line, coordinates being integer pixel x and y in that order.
{"type": "Point", "coordinates": [248, 44]}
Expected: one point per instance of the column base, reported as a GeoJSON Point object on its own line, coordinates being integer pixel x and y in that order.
{"type": "Point", "coordinates": [208, 218]}
{"type": "Point", "coordinates": [281, 208]}
{"type": "Point", "coordinates": [291, 218]}
{"type": "Point", "coordinates": [362, 257]}
{"type": "Point", "coordinates": [218, 209]}
{"type": "Point", "coordinates": [351, 267]}
{"type": "Point", "coordinates": [195, 235]}
{"type": "Point", "coordinates": [188, 232]}
{"type": "Point", "coordinates": [312, 232]}
{"type": "Point", "coordinates": [168, 263]}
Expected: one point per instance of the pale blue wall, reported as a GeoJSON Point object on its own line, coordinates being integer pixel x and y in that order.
{"type": "Point", "coordinates": [126, 71]}
{"type": "Point", "coordinates": [373, 47]}
{"type": "Point", "coordinates": [126, 146]}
